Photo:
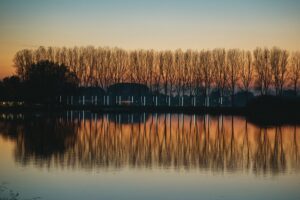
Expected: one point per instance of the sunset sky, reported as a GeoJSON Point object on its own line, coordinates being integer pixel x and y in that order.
{"type": "Point", "coordinates": [157, 24]}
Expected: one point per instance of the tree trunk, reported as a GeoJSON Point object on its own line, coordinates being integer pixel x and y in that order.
{"type": "Point", "coordinates": [153, 100]}
{"type": "Point", "coordinates": [247, 96]}
{"type": "Point", "coordinates": [182, 101]}
{"type": "Point", "coordinates": [232, 97]}
{"type": "Point", "coordinates": [194, 101]}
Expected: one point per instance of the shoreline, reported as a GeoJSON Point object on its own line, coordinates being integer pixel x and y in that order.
{"type": "Point", "coordinates": [127, 109]}
{"type": "Point", "coordinates": [264, 115]}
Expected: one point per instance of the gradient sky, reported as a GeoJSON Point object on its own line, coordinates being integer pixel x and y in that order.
{"type": "Point", "coordinates": [157, 24]}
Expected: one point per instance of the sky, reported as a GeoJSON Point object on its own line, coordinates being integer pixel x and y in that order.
{"type": "Point", "coordinates": [146, 24]}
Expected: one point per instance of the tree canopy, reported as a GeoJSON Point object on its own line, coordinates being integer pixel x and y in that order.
{"type": "Point", "coordinates": [11, 88]}
{"type": "Point", "coordinates": [45, 80]}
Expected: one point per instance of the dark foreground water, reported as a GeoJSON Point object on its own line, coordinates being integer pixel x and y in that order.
{"type": "Point", "coordinates": [148, 156]}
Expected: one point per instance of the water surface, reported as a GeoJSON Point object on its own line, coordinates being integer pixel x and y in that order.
{"type": "Point", "coordinates": [79, 155]}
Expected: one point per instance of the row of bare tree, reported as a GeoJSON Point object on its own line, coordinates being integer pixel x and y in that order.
{"type": "Point", "coordinates": [175, 72]}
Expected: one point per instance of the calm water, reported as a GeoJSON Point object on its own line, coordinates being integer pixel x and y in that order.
{"type": "Point", "coordinates": [165, 156]}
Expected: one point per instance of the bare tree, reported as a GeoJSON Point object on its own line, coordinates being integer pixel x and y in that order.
{"type": "Point", "coordinates": [295, 70]}
{"type": "Point", "coordinates": [188, 71]}
{"type": "Point", "coordinates": [283, 70]}
{"type": "Point", "coordinates": [102, 67]}
{"type": "Point", "coordinates": [81, 67]}
{"type": "Point", "coordinates": [195, 76]}
{"type": "Point", "coordinates": [220, 71]}
{"type": "Point", "coordinates": [142, 63]}
{"type": "Point", "coordinates": [150, 68]}
{"type": "Point", "coordinates": [208, 73]}
{"type": "Point", "coordinates": [178, 71]}
{"type": "Point", "coordinates": [169, 65]}
{"type": "Point", "coordinates": [123, 65]}
{"type": "Point", "coordinates": [246, 71]}
{"type": "Point", "coordinates": [63, 55]}
{"type": "Point", "coordinates": [234, 66]}
{"type": "Point", "coordinates": [89, 60]}
{"type": "Point", "coordinates": [40, 54]}
{"type": "Point", "coordinates": [263, 69]}
{"type": "Point", "coordinates": [51, 54]}
{"type": "Point", "coordinates": [258, 62]}
{"type": "Point", "coordinates": [279, 61]}
{"type": "Point", "coordinates": [22, 61]}
{"type": "Point", "coordinates": [267, 71]}
{"type": "Point", "coordinates": [198, 74]}
{"type": "Point", "coordinates": [156, 73]}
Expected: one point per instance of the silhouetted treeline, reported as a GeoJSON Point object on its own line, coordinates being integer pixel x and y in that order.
{"type": "Point", "coordinates": [176, 72]}
{"type": "Point", "coordinates": [11, 88]}
{"type": "Point", "coordinates": [42, 82]}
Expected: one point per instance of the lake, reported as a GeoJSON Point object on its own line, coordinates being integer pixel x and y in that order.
{"type": "Point", "coordinates": [81, 155]}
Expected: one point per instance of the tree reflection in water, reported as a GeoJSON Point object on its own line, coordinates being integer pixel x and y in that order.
{"type": "Point", "coordinates": [215, 143]}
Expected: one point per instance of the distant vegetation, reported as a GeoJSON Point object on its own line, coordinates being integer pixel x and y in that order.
{"type": "Point", "coordinates": [175, 72]}
{"type": "Point", "coordinates": [42, 83]}
{"type": "Point", "coordinates": [220, 74]}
